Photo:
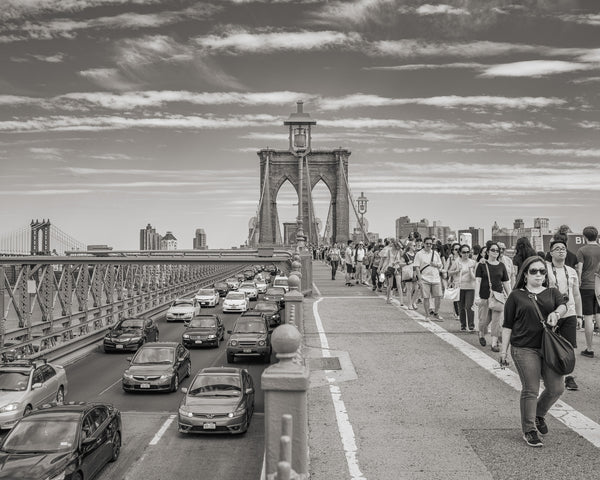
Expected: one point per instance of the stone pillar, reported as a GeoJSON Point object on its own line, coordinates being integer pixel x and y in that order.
{"type": "Point", "coordinates": [293, 302]}
{"type": "Point", "coordinates": [285, 386]}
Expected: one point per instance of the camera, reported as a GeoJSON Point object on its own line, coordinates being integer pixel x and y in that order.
{"type": "Point", "coordinates": [565, 297]}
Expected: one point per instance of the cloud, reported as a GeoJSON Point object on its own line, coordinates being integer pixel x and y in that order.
{"type": "Point", "coordinates": [536, 68]}
{"type": "Point", "coordinates": [561, 152]}
{"type": "Point", "coordinates": [429, 66]}
{"type": "Point", "coordinates": [588, 124]}
{"type": "Point", "coordinates": [110, 78]}
{"type": "Point", "coordinates": [239, 40]}
{"type": "Point", "coordinates": [440, 9]}
{"type": "Point", "coordinates": [56, 58]}
{"type": "Point", "coordinates": [357, 12]}
{"type": "Point", "coordinates": [584, 19]}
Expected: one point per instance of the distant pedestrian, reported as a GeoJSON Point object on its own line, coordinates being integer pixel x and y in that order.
{"type": "Point", "coordinates": [508, 263]}
{"type": "Point", "coordinates": [334, 259]}
{"type": "Point", "coordinates": [563, 234]}
{"type": "Point", "coordinates": [392, 267]}
{"type": "Point", "coordinates": [349, 260]}
{"type": "Point", "coordinates": [448, 277]}
{"type": "Point", "coordinates": [523, 330]}
{"type": "Point", "coordinates": [589, 262]}
{"type": "Point", "coordinates": [463, 272]}
{"type": "Point", "coordinates": [374, 268]}
{"type": "Point", "coordinates": [427, 265]}
{"type": "Point", "coordinates": [359, 256]}
{"type": "Point", "coordinates": [523, 250]}
{"type": "Point", "coordinates": [410, 283]}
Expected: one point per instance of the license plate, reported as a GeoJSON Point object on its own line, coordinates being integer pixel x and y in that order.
{"type": "Point", "coordinates": [198, 341]}
{"type": "Point", "coordinates": [119, 346]}
{"type": "Point", "coordinates": [209, 426]}
{"type": "Point", "coordinates": [145, 385]}
{"type": "Point", "coordinates": [247, 350]}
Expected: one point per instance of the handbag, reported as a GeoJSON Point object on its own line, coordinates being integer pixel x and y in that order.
{"type": "Point", "coordinates": [557, 351]}
{"type": "Point", "coordinates": [452, 293]}
{"type": "Point", "coordinates": [497, 299]}
{"type": "Point", "coordinates": [407, 273]}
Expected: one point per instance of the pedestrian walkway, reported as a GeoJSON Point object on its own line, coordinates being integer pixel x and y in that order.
{"type": "Point", "coordinates": [394, 397]}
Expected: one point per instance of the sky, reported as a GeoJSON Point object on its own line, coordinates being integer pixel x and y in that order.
{"type": "Point", "coordinates": [119, 113]}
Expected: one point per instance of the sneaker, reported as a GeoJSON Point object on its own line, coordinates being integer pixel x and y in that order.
{"type": "Point", "coordinates": [587, 353]}
{"type": "Point", "coordinates": [431, 313]}
{"type": "Point", "coordinates": [532, 439]}
{"type": "Point", "coordinates": [463, 329]}
{"type": "Point", "coordinates": [540, 424]}
{"type": "Point", "coordinates": [436, 317]}
{"type": "Point", "coordinates": [495, 348]}
{"type": "Point", "coordinates": [570, 383]}
{"type": "Point", "coordinates": [482, 341]}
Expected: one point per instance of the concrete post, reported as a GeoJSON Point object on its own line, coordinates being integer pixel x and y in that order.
{"type": "Point", "coordinates": [285, 386]}
{"type": "Point", "coordinates": [293, 302]}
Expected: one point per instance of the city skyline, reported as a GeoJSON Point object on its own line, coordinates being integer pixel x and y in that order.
{"type": "Point", "coordinates": [115, 114]}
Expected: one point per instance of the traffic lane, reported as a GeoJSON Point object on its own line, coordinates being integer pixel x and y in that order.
{"type": "Point", "coordinates": [175, 455]}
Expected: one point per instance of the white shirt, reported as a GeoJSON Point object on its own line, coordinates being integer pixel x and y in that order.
{"type": "Point", "coordinates": [560, 281]}
{"type": "Point", "coordinates": [360, 254]}
{"type": "Point", "coordinates": [430, 274]}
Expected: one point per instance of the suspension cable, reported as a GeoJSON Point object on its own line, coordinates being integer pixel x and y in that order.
{"type": "Point", "coordinates": [362, 227]}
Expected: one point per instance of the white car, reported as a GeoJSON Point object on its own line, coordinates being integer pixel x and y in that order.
{"type": "Point", "coordinates": [233, 283]}
{"type": "Point", "coordinates": [183, 309]}
{"type": "Point", "coordinates": [26, 385]}
{"type": "Point", "coordinates": [282, 282]}
{"type": "Point", "coordinates": [208, 297]}
{"type": "Point", "coordinates": [261, 284]}
{"type": "Point", "coordinates": [236, 302]}
{"type": "Point", "coordinates": [249, 287]}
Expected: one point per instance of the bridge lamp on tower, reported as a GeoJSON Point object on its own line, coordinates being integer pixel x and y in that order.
{"type": "Point", "coordinates": [299, 124]}
{"type": "Point", "coordinates": [361, 204]}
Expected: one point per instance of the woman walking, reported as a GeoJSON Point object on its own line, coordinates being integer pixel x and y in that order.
{"type": "Point", "coordinates": [463, 272]}
{"type": "Point", "coordinates": [334, 259]}
{"type": "Point", "coordinates": [449, 264]}
{"type": "Point", "coordinates": [522, 328]}
{"type": "Point", "coordinates": [392, 267]}
{"type": "Point", "coordinates": [490, 275]}
{"type": "Point", "coordinates": [523, 250]}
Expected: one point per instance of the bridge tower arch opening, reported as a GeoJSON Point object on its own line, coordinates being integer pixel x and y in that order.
{"type": "Point", "coordinates": [304, 167]}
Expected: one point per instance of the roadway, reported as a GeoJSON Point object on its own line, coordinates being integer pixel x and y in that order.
{"type": "Point", "coordinates": [152, 446]}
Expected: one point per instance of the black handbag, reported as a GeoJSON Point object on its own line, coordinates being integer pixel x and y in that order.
{"type": "Point", "coordinates": [557, 351]}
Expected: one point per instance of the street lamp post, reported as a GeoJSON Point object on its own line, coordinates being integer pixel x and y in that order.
{"type": "Point", "coordinates": [361, 203]}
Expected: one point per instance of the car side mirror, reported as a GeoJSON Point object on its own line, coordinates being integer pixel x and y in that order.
{"type": "Point", "coordinates": [184, 390]}
{"type": "Point", "coordinates": [229, 332]}
{"type": "Point", "coordinates": [35, 386]}
{"type": "Point", "coordinates": [87, 441]}
{"type": "Point", "coordinates": [249, 391]}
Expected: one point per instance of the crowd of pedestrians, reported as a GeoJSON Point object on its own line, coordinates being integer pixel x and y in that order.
{"type": "Point", "coordinates": [492, 294]}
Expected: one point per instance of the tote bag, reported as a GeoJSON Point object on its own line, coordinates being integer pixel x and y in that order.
{"type": "Point", "coordinates": [497, 299]}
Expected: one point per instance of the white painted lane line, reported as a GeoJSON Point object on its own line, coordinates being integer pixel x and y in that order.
{"type": "Point", "coordinates": [109, 387]}
{"type": "Point", "coordinates": [562, 411]}
{"type": "Point", "coordinates": [316, 290]}
{"type": "Point", "coordinates": [344, 426]}
{"type": "Point", "coordinates": [162, 430]}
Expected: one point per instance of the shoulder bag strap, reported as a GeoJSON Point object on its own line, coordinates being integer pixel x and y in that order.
{"type": "Point", "coordinates": [537, 308]}
{"type": "Point", "coordinates": [487, 269]}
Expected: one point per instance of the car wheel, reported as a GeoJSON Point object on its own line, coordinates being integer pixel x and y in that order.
{"type": "Point", "coordinates": [116, 447]}
{"type": "Point", "coordinates": [60, 395]}
{"type": "Point", "coordinates": [175, 383]}
{"type": "Point", "coordinates": [230, 358]}
{"type": "Point", "coordinates": [28, 410]}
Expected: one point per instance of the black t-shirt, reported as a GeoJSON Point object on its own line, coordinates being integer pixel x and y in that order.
{"type": "Point", "coordinates": [521, 316]}
{"type": "Point", "coordinates": [498, 274]}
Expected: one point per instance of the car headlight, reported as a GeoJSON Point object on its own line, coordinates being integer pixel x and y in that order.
{"type": "Point", "coordinates": [136, 339]}
{"type": "Point", "coordinates": [212, 336]}
{"type": "Point", "coordinates": [165, 377]}
{"type": "Point", "coordinates": [261, 343]}
{"type": "Point", "coordinates": [188, 315]}
{"type": "Point", "coordinates": [11, 407]}
{"type": "Point", "coordinates": [239, 411]}
{"type": "Point", "coordinates": [183, 411]}
{"type": "Point", "coordinates": [233, 343]}
{"type": "Point", "coordinates": [185, 335]}
{"type": "Point", "coordinates": [128, 376]}
{"type": "Point", "coordinates": [57, 476]}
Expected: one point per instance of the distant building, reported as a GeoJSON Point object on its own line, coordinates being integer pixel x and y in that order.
{"type": "Point", "coordinates": [149, 239]}
{"type": "Point", "coordinates": [535, 234]}
{"type": "Point", "coordinates": [358, 236]}
{"type": "Point", "coordinates": [168, 242]}
{"type": "Point", "coordinates": [404, 227]}
{"type": "Point", "coordinates": [200, 240]}
{"type": "Point", "coordinates": [476, 235]}
{"type": "Point", "coordinates": [92, 248]}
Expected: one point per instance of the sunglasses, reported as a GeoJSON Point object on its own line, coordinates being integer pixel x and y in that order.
{"type": "Point", "coordinates": [559, 250]}
{"type": "Point", "coordinates": [465, 251]}
{"type": "Point", "coordinates": [535, 271]}
{"type": "Point", "coordinates": [493, 250]}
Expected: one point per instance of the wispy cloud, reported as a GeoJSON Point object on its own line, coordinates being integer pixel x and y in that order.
{"type": "Point", "coordinates": [56, 58]}
{"type": "Point", "coordinates": [429, 66]}
{"type": "Point", "coordinates": [440, 9]}
{"type": "Point", "coordinates": [536, 68]}
{"type": "Point", "coordinates": [584, 19]}
{"type": "Point", "coordinates": [110, 78]}
{"type": "Point", "coordinates": [357, 12]}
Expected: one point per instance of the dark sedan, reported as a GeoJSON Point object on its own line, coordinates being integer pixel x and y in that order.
{"type": "Point", "coordinates": [222, 288]}
{"type": "Point", "coordinates": [71, 442]}
{"type": "Point", "coordinates": [271, 310]}
{"type": "Point", "coordinates": [157, 367]}
{"type": "Point", "coordinates": [130, 334]}
{"type": "Point", "coordinates": [202, 331]}
{"type": "Point", "coordinates": [275, 294]}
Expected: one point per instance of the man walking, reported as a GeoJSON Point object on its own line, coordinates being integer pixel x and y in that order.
{"type": "Point", "coordinates": [588, 258]}
{"type": "Point", "coordinates": [427, 265]}
{"type": "Point", "coordinates": [508, 263]}
{"type": "Point", "coordinates": [359, 256]}
{"type": "Point", "coordinates": [349, 259]}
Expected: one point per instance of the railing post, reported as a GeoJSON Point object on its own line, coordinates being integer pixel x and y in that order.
{"type": "Point", "coordinates": [293, 302]}
{"type": "Point", "coordinates": [285, 386]}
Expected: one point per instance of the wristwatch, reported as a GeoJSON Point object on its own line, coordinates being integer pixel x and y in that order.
{"type": "Point", "coordinates": [580, 316]}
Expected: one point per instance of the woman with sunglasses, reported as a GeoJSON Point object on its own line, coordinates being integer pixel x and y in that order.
{"type": "Point", "coordinates": [490, 275]}
{"type": "Point", "coordinates": [463, 272]}
{"type": "Point", "coordinates": [522, 329]}
{"type": "Point", "coordinates": [447, 277]}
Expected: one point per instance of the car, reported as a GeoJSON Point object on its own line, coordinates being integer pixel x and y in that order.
{"type": "Point", "coordinates": [261, 284]}
{"type": "Point", "coordinates": [275, 294]}
{"type": "Point", "coordinates": [281, 281]}
{"type": "Point", "coordinates": [157, 366]}
{"type": "Point", "coordinates": [222, 288]}
{"type": "Point", "coordinates": [249, 287]}
{"type": "Point", "coordinates": [241, 277]}
{"type": "Point", "coordinates": [17, 351]}
{"type": "Point", "coordinates": [203, 330]}
{"type": "Point", "coordinates": [183, 309]}
{"type": "Point", "coordinates": [73, 441]}
{"type": "Point", "coordinates": [208, 297]}
{"type": "Point", "coordinates": [219, 400]}
{"type": "Point", "coordinates": [233, 283]}
{"type": "Point", "coordinates": [271, 310]}
{"type": "Point", "coordinates": [27, 384]}
{"type": "Point", "coordinates": [250, 337]}
{"type": "Point", "coordinates": [248, 274]}
{"type": "Point", "coordinates": [236, 302]}
{"type": "Point", "coordinates": [129, 334]}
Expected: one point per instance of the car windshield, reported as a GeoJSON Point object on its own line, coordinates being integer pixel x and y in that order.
{"type": "Point", "coordinates": [280, 281]}
{"type": "Point", "coordinates": [215, 386]}
{"type": "Point", "coordinates": [14, 381]}
{"type": "Point", "coordinates": [248, 284]}
{"type": "Point", "coordinates": [154, 355]}
{"type": "Point", "coordinates": [275, 291]}
{"type": "Point", "coordinates": [130, 323]}
{"type": "Point", "coordinates": [250, 326]}
{"type": "Point", "coordinates": [265, 307]}
{"type": "Point", "coordinates": [221, 285]}
{"type": "Point", "coordinates": [236, 296]}
{"type": "Point", "coordinates": [231, 280]}
{"type": "Point", "coordinates": [206, 291]}
{"type": "Point", "coordinates": [43, 433]}
{"type": "Point", "coordinates": [203, 323]}
{"type": "Point", "coordinates": [182, 303]}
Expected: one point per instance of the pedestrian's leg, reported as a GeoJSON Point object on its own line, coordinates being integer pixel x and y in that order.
{"type": "Point", "coordinates": [496, 327]}
{"type": "Point", "coordinates": [469, 299]}
{"type": "Point", "coordinates": [484, 320]}
{"type": "Point", "coordinates": [398, 278]}
{"type": "Point", "coordinates": [390, 284]}
{"type": "Point", "coordinates": [409, 290]}
{"type": "Point", "coordinates": [529, 366]}
{"type": "Point", "coordinates": [462, 311]}
{"type": "Point", "coordinates": [554, 386]}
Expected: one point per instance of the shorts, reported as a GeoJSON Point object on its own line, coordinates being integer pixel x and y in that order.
{"type": "Point", "coordinates": [349, 268]}
{"type": "Point", "coordinates": [431, 290]}
{"type": "Point", "coordinates": [589, 302]}
{"type": "Point", "coordinates": [567, 327]}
